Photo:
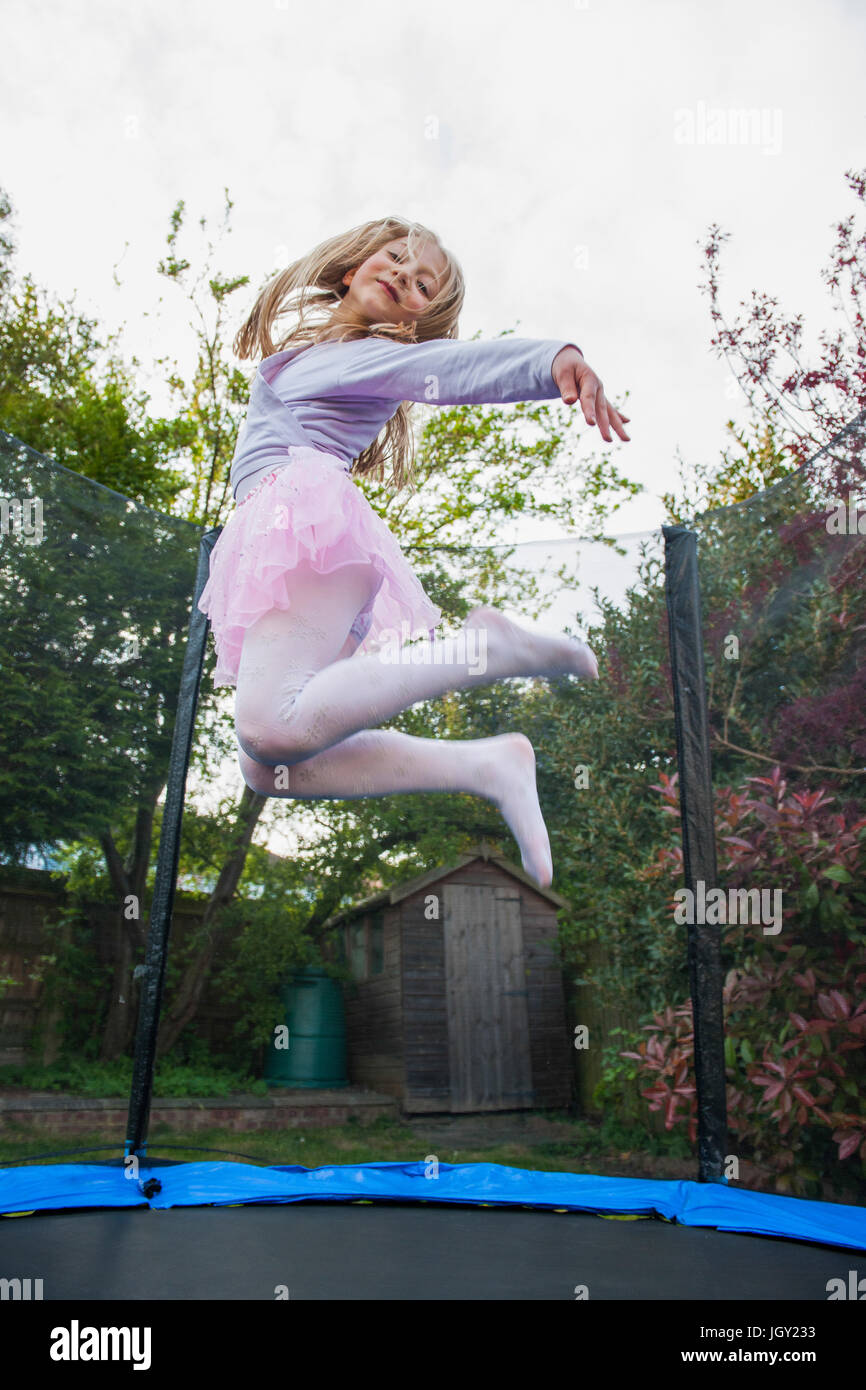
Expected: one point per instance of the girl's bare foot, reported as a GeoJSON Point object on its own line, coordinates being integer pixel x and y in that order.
{"type": "Point", "coordinates": [534, 652]}
{"type": "Point", "coordinates": [508, 778]}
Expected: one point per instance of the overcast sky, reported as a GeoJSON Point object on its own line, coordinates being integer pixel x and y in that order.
{"type": "Point", "coordinates": [562, 150]}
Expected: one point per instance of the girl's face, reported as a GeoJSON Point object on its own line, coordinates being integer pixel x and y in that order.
{"type": "Point", "coordinates": [392, 286]}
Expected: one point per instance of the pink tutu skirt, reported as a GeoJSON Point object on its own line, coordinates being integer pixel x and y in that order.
{"type": "Point", "coordinates": [306, 511]}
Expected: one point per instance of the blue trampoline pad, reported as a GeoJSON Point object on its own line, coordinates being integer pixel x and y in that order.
{"type": "Point", "coordinates": [66, 1187]}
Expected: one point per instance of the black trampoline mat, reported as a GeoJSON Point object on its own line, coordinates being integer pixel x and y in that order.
{"type": "Point", "coordinates": [334, 1251]}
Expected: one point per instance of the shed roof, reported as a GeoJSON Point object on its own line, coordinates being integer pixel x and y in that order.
{"type": "Point", "coordinates": [389, 896]}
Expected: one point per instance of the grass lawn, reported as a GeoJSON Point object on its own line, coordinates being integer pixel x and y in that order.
{"type": "Point", "coordinates": [540, 1140]}
{"type": "Point", "coordinates": [575, 1148]}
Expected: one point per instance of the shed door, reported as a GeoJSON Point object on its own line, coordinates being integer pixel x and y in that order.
{"type": "Point", "coordinates": [487, 999]}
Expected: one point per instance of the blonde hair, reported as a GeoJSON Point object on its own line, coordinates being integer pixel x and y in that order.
{"type": "Point", "coordinates": [316, 281]}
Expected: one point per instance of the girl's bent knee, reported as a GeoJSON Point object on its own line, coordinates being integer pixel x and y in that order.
{"type": "Point", "coordinates": [268, 745]}
{"type": "Point", "coordinates": [255, 775]}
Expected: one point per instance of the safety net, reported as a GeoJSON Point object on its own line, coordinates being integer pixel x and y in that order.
{"type": "Point", "coordinates": [95, 595]}
{"type": "Point", "coordinates": [764, 863]}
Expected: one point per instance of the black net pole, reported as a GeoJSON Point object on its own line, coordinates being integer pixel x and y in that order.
{"type": "Point", "coordinates": [165, 881]}
{"type": "Point", "coordinates": [699, 842]}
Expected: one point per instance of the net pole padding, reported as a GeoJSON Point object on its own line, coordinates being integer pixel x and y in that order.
{"type": "Point", "coordinates": [168, 856]}
{"type": "Point", "coordinates": [682, 589]}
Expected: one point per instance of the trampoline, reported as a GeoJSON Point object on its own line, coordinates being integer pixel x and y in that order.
{"type": "Point", "coordinates": [382, 1231]}
{"type": "Point", "coordinates": [140, 1228]}
{"type": "Point", "coordinates": [407, 1252]}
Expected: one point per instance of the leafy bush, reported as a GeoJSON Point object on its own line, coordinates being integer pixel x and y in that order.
{"type": "Point", "coordinates": [102, 1079]}
{"type": "Point", "coordinates": [795, 1016]}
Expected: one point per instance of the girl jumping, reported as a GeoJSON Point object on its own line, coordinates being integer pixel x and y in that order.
{"type": "Point", "coordinates": [305, 577]}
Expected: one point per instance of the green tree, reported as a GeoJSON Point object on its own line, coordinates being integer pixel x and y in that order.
{"type": "Point", "coordinates": [69, 613]}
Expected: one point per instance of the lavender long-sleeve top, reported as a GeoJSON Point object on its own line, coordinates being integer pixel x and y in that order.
{"type": "Point", "coordinates": [336, 396]}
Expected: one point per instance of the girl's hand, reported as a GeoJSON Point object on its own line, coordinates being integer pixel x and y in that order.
{"type": "Point", "coordinates": [576, 380]}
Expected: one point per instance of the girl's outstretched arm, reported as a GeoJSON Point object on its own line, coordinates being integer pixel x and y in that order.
{"type": "Point", "coordinates": [446, 371]}
{"type": "Point", "coordinates": [577, 381]}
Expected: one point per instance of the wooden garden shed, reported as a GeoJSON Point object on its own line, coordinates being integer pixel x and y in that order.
{"type": "Point", "coordinates": [456, 1002]}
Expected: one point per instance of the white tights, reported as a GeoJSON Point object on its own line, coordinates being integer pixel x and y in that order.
{"type": "Point", "coordinates": [305, 704]}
